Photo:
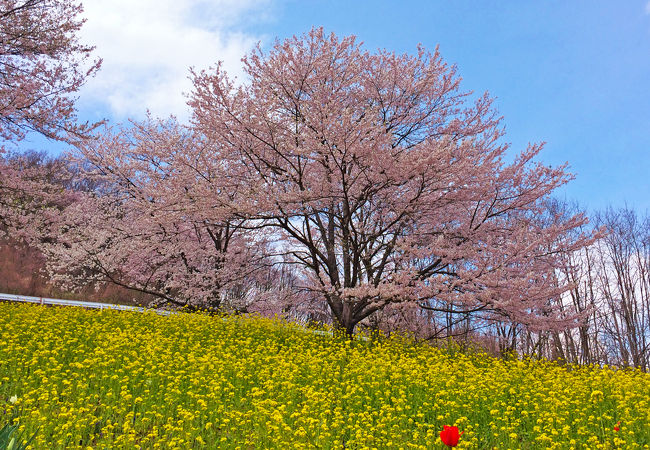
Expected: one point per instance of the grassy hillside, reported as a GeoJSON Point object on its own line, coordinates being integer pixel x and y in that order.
{"type": "Point", "coordinates": [121, 380]}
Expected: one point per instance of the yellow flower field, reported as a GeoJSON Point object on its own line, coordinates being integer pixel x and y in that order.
{"type": "Point", "coordinates": [107, 379]}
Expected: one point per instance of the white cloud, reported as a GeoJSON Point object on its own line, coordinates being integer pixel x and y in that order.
{"type": "Point", "coordinates": [647, 8]}
{"type": "Point", "coordinates": [148, 46]}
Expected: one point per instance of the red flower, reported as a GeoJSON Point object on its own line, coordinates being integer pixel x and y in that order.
{"type": "Point", "coordinates": [618, 426]}
{"type": "Point", "coordinates": [449, 436]}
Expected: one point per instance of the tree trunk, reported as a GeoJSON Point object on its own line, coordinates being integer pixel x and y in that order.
{"type": "Point", "coordinates": [345, 322]}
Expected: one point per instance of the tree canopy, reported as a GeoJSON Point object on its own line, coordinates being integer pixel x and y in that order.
{"type": "Point", "coordinates": [384, 181]}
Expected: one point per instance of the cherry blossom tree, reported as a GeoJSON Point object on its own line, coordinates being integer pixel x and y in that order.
{"type": "Point", "coordinates": [32, 186]}
{"type": "Point", "coordinates": [42, 64]}
{"type": "Point", "coordinates": [158, 220]}
{"type": "Point", "coordinates": [386, 182]}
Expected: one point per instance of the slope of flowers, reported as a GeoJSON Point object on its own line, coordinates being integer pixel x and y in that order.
{"type": "Point", "coordinates": [91, 379]}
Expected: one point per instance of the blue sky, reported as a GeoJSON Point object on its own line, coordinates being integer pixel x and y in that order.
{"type": "Point", "coordinates": [573, 74]}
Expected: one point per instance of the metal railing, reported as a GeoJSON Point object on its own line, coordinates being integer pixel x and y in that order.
{"type": "Point", "coordinates": [77, 303]}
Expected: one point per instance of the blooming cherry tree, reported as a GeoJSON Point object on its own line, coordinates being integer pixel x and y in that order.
{"type": "Point", "coordinates": [384, 181]}
{"type": "Point", "coordinates": [158, 221]}
{"type": "Point", "coordinates": [42, 64]}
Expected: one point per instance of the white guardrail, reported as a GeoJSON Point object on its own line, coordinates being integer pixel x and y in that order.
{"type": "Point", "coordinates": [78, 303]}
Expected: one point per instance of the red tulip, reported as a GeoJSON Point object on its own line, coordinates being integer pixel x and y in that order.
{"type": "Point", "coordinates": [450, 435]}
{"type": "Point", "coordinates": [618, 426]}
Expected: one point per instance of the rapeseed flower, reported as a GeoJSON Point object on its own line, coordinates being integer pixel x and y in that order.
{"type": "Point", "coordinates": [109, 379]}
